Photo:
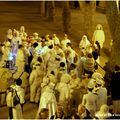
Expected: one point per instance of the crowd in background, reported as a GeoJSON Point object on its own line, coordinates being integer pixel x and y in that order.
{"type": "Point", "coordinates": [62, 82]}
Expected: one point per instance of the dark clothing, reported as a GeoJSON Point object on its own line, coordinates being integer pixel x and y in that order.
{"type": "Point", "coordinates": [10, 113]}
{"type": "Point", "coordinates": [115, 86]}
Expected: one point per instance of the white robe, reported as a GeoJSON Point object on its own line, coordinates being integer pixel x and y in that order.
{"type": "Point", "coordinates": [99, 36]}
{"type": "Point", "coordinates": [47, 100]}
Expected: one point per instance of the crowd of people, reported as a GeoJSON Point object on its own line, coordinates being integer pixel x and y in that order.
{"type": "Point", "coordinates": [63, 83]}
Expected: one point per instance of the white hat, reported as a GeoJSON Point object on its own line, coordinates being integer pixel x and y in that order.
{"type": "Point", "coordinates": [36, 34]}
{"type": "Point", "coordinates": [97, 75]}
{"type": "Point", "coordinates": [65, 78]}
{"type": "Point", "coordinates": [91, 84]}
{"type": "Point", "coordinates": [7, 43]}
{"type": "Point", "coordinates": [99, 81]}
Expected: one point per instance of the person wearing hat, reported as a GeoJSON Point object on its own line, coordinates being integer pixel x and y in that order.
{"type": "Point", "coordinates": [101, 93]}
{"type": "Point", "coordinates": [97, 75]}
{"type": "Point", "coordinates": [90, 99]}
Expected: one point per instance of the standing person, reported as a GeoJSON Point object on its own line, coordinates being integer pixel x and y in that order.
{"type": "Point", "coordinates": [90, 99]}
{"type": "Point", "coordinates": [115, 87]}
{"type": "Point", "coordinates": [35, 80]}
{"type": "Point", "coordinates": [20, 59]}
{"type": "Point", "coordinates": [17, 110]}
{"type": "Point", "coordinates": [84, 44]}
{"type": "Point", "coordinates": [64, 91]}
{"type": "Point", "coordinates": [101, 93]}
{"type": "Point", "coordinates": [99, 35]}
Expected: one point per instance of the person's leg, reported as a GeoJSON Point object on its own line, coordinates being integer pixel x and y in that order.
{"type": "Point", "coordinates": [10, 113]}
{"type": "Point", "coordinates": [32, 93]}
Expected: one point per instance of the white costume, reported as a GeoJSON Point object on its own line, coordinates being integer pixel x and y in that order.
{"type": "Point", "coordinates": [6, 51]}
{"type": "Point", "coordinates": [9, 34]}
{"type": "Point", "coordinates": [64, 90]}
{"type": "Point", "coordinates": [5, 75]}
{"type": "Point", "coordinates": [35, 80]}
{"type": "Point", "coordinates": [17, 110]}
{"type": "Point", "coordinates": [48, 100]}
{"type": "Point", "coordinates": [20, 60]}
{"type": "Point", "coordinates": [99, 35]}
{"type": "Point", "coordinates": [102, 94]}
{"type": "Point", "coordinates": [90, 100]}
{"type": "Point", "coordinates": [65, 42]}
{"type": "Point", "coordinates": [84, 44]}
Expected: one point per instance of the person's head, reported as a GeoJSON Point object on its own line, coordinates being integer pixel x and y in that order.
{"type": "Point", "coordinates": [99, 27]}
{"type": "Point", "coordinates": [89, 55]}
{"type": "Point", "coordinates": [44, 113]}
{"type": "Point", "coordinates": [62, 64]}
{"type": "Point", "coordinates": [72, 66]}
{"type": "Point", "coordinates": [65, 36]}
{"type": "Point", "coordinates": [81, 109]}
{"type": "Point", "coordinates": [40, 59]}
{"type": "Point", "coordinates": [104, 108]}
{"type": "Point", "coordinates": [65, 78]}
{"type": "Point", "coordinates": [91, 85]}
{"type": "Point", "coordinates": [117, 68]}
{"type": "Point", "coordinates": [20, 47]}
{"type": "Point", "coordinates": [18, 82]}
{"type": "Point", "coordinates": [84, 37]}
{"type": "Point", "coordinates": [59, 111]}
{"type": "Point", "coordinates": [35, 45]}
{"type": "Point", "coordinates": [9, 32]}
{"type": "Point", "coordinates": [50, 46]}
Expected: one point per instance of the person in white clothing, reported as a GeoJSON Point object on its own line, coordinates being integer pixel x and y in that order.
{"type": "Point", "coordinates": [99, 35]}
{"type": "Point", "coordinates": [35, 81]}
{"type": "Point", "coordinates": [64, 90]}
{"type": "Point", "coordinates": [17, 110]}
{"type": "Point", "coordinates": [9, 35]}
{"type": "Point", "coordinates": [20, 59]}
{"type": "Point", "coordinates": [101, 93]}
{"type": "Point", "coordinates": [90, 99]}
{"type": "Point", "coordinates": [84, 44]}
{"type": "Point", "coordinates": [56, 40]}
{"type": "Point", "coordinates": [65, 42]}
{"type": "Point", "coordinates": [48, 100]}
